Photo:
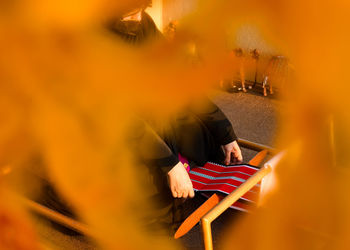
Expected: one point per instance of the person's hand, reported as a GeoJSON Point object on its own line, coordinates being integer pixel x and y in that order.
{"type": "Point", "coordinates": [233, 154]}
{"type": "Point", "coordinates": [179, 182]}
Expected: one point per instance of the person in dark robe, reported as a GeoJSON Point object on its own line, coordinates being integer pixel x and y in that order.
{"type": "Point", "coordinates": [199, 133]}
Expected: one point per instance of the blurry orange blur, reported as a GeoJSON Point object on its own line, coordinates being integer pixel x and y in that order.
{"type": "Point", "coordinates": [67, 90]}
{"type": "Point", "coordinates": [16, 231]}
{"type": "Point", "coordinates": [311, 208]}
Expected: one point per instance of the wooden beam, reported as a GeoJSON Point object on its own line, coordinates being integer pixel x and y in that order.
{"type": "Point", "coordinates": [255, 146]}
{"type": "Point", "coordinates": [57, 217]}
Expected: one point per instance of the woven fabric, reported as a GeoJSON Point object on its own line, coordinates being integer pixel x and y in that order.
{"type": "Point", "coordinates": [225, 179]}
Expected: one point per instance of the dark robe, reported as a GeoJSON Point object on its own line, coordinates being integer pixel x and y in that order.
{"type": "Point", "coordinates": [196, 133]}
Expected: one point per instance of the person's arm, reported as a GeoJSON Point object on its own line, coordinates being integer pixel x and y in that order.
{"type": "Point", "coordinates": [179, 182]}
{"type": "Point", "coordinates": [153, 151]}
{"type": "Point", "coordinates": [220, 127]}
{"type": "Point", "coordinates": [233, 154]}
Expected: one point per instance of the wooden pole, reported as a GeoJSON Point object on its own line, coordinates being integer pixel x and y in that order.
{"type": "Point", "coordinates": [57, 217]}
{"type": "Point", "coordinates": [207, 235]}
{"type": "Point", "coordinates": [227, 202]}
{"type": "Point", "coordinates": [332, 140]}
{"type": "Point", "coordinates": [255, 146]}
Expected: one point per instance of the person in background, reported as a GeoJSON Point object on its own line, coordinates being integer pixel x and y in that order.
{"type": "Point", "coordinates": [198, 134]}
{"type": "Point", "coordinates": [135, 26]}
{"type": "Point", "coordinates": [170, 30]}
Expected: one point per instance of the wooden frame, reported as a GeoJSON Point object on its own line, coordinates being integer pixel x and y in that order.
{"type": "Point", "coordinates": [227, 202]}
{"type": "Point", "coordinates": [233, 197]}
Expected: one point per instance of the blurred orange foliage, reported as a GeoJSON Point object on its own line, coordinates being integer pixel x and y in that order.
{"type": "Point", "coordinates": [68, 88]}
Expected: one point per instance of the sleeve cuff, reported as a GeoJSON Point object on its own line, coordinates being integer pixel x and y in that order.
{"type": "Point", "coordinates": [229, 137]}
{"type": "Point", "coordinates": [165, 164]}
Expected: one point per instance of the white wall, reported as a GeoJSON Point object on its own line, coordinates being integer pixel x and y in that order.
{"type": "Point", "coordinates": [156, 12]}
{"type": "Point", "coordinates": [176, 9]}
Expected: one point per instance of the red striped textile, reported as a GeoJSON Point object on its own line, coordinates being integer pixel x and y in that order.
{"type": "Point", "coordinates": [213, 177]}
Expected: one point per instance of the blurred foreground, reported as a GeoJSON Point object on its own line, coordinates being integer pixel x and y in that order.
{"type": "Point", "coordinates": [67, 89]}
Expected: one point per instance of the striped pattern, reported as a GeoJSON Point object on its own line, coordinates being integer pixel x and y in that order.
{"type": "Point", "coordinates": [225, 179]}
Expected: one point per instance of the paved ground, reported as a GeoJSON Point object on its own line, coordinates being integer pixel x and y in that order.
{"type": "Point", "coordinates": [253, 117]}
